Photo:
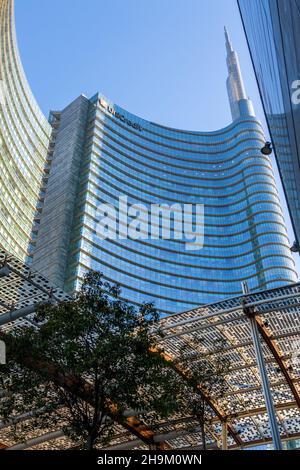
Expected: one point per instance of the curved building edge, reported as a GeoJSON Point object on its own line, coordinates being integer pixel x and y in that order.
{"type": "Point", "coordinates": [24, 140]}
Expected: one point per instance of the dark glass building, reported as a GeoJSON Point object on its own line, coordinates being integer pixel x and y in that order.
{"type": "Point", "coordinates": [100, 152]}
{"type": "Point", "coordinates": [273, 32]}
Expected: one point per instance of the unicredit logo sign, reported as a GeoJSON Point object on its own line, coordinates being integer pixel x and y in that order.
{"type": "Point", "coordinates": [119, 116]}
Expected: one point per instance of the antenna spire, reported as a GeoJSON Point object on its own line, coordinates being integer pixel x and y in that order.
{"type": "Point", "coordinates": [229, 47]}
{"type": "Point", "coordinates": [240, 105]}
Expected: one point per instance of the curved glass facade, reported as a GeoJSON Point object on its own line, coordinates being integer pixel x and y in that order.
{"type": "Point", "coordinates": [101, 152]}
{"type": "Point", "coordinates": [244, 231]}
{"type": "Point", "coordinates": [24, 139]}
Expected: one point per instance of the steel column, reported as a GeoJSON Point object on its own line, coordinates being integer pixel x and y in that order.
{"type": "Point", "coordinates": [263, 375]}
{"type": "Point", "coordinates": [224, 435]}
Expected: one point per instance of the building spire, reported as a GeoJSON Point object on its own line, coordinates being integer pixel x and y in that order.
{"type": "Point", "coordinates": [240, 105]}
{"type": "Point", "coordinates": [228, 41]}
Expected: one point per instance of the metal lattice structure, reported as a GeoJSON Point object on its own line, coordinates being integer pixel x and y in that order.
{"type": "Point", "coordinates": [21, 290]}
{"type": "Point", "coordinates": [277, 314]}
{"type": "Point", "coordinates": [242, 408]}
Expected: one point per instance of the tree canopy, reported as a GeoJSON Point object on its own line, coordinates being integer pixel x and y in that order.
{"type": "Point", "coordinates": [84, 363]}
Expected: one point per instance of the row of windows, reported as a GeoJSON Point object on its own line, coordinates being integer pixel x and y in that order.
{"type": "Point", "coordinates": [151, 130]}
{"type": "Point", "coordinates": [180, 222]}
{"type": "Point", "coordinates": [230, 271]}
{"type": "Point", "coordinates": [205, 157]}
{"type": "Point", "coordinates": [191, 298]}
{"type": "Point", "coordinates": [216, 280]}
{"type": "Point", "coordinates": [155, 250]}
{"type": "Point", "coordinates": [172, 249]}
{"type": "Point", "coordinates": [230, 213]}
{"type": "Point", "coordinates": [110, 162]}
{"type": "Point", "coordinates": [189, 170]}
{"type": "Point", "coordinates": [138, 189]}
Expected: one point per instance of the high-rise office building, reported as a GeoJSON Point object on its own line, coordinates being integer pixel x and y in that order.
{"type": "Point", "coordinates": [272, 28]}
{"type": "Point", "coordinates": [24, 140]}
{"type": "Point", "coordinates": [101, 152]}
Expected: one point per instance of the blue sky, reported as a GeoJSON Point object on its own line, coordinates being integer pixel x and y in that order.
{"type": "Point", "coordinates": [163, 60]}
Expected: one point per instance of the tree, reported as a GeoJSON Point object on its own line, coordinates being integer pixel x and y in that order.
{"type": "Point", "coordinates": [96, 343]}
{"type": "Point", "coordinates": [207, 374]}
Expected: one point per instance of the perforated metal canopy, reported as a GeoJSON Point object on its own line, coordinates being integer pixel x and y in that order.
{"type": "Point", "coordinates": [277, 314]}
{"type": "Point", "coordinates": [242, 407]}
{"type": "Point", "coordinates": [21, 290]}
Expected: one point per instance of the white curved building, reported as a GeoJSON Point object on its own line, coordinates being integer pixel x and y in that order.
{"type": "Point", "coordinates": [24, 140]}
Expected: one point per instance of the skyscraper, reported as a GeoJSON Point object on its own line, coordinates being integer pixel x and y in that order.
{"type": "Point", "coordinates": [101, 152]}
{"type": "Point", "coordinates": [272, 28]}
{"type": "Point", "coordinates": [24, 140]}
